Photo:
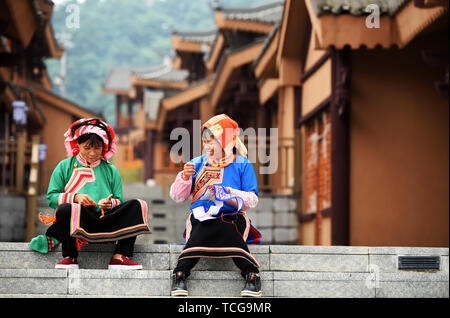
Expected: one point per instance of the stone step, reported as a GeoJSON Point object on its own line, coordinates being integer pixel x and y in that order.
{"type": "Point", "coordinates": [97, 256]}
{"type": "Point", "coordinates": [122, 283]}
{"type": "Point", "coordinates": [147, 283]}
{"type": "Point", "coordinates": [356, 259]}
{"type": "Point", "coordinates": [286, 271]}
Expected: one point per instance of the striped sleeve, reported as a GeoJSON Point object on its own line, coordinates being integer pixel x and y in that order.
{"type": "Point", "coordinates": [115, 202]}
{"type": "Point", "coordinates": [66, 198]}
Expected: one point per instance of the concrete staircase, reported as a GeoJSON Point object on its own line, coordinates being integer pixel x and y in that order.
{"type": "Point", "coordinates": [286, 271]}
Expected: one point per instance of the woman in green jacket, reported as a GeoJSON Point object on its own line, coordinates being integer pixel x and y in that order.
{"type": "Point", "coordinates": [86, 191]}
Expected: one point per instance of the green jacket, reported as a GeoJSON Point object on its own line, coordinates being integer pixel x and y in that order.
{"type": "Point", "coordinates": [72, 176]}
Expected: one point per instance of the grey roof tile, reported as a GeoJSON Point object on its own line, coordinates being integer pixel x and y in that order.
{"type": "Point", "coordinates": [206, 37]}
{"type": "Point", "coordinates": [355, 7]}
{"type": "Point", "coordinates": [118, 78]}
{"type": "Point", "coordinates": [165, 74]}
{"type": "Point", "coordinates": [270, 12]}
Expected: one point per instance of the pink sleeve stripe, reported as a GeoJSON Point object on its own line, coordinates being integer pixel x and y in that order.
{"type": "Point", "coordinates": [180, 190]}
{"type": "Point", "coordinates": [66, 197]}
{"type": "Point", "coordinates": [115, 202]}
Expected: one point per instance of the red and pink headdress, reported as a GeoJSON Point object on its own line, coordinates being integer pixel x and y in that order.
{"type": "Point", "coordinates": [90, 126]}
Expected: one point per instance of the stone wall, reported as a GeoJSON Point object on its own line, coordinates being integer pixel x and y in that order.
{"type": "Point", "coordinates": [12, 218]}
{"type": "Point", "coordinates": [275, 217]}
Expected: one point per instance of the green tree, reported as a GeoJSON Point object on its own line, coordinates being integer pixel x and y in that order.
{"type": "Point", "coordinates": [122, 33]}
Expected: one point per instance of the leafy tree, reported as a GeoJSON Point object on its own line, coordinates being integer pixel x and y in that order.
{"type": "Point", "coordinates": [122, 33]}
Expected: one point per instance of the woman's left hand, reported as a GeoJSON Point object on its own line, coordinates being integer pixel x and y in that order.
{"type": "Point", "coordinates": [106, 204]}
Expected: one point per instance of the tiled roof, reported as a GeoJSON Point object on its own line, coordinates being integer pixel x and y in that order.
{"type": "Point", "coordinates": [355, 7]}
{"type": "Point", "coordinates": [230, 51]}
{"type": "Point", "coordinates": [206, 37]}
{"type": "Point", "coordinates": [267, 42]}
{"type": "Point", "coordinates": [164, 74]}
{"type": "Point", "coordinates": [270, 12]}
{"type": "Point", "coordinates": [118, 78]}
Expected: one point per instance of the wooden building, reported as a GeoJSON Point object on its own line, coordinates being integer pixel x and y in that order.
{"type": "Point", "coordinates": [359, 97]}
{"type": "Point", "coordinates": [60, 113]}
{"type": "Point", "coordinates": [371, 116]}
{"type": "Point", "coordinates": [129, 132]}
{"type": "Point", "coordinates": [141, 90]}
{"type": "Point", "coordinates": [23, 77]}
{"type": "Point", "coordinates": [227, 83]}
{"type": "Point", "coordinates": [33, 119]}
{"type": "Point", "coordinates": [149, 121]}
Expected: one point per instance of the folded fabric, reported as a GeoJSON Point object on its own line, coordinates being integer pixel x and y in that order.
{"type": "Point", "coordinates": [43, 244]}
{"type": "Point", "coordinates": [213, 199]}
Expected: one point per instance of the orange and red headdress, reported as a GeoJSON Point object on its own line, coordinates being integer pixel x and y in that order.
{"type": "Point", "coordinates": [226, 131]}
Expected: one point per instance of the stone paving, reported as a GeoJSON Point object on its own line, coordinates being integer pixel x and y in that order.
{"type": "Point", "coordinates": [286, 271]}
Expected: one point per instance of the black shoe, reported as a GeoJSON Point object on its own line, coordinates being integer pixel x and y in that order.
{"type": "Point", "coordinates": [252, 285]}
{"type": "Point", "coordinates": [179, 287]}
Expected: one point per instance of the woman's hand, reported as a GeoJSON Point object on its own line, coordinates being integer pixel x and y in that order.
{"type": "Point", "coordinates": [188, 171]}
{"type": "Point", "coordinates": [106, 204]}
{"type": "Point", "coordinates": [83, 199]}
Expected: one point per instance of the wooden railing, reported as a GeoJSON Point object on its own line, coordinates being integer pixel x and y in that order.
{"type": "Point", "coordinates": [19, 173]}
{"type": "Point", "coordinates": [8, 152]}
{"type": "Point", "coordinates": [15, 159]}
{"type": "Point", "coordinates": [274, 164]}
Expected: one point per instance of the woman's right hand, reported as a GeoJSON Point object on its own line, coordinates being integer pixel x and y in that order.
{"type": "Point", "coordinates": [188, 171]}
{"type": "Point", "coordinates": [83, 199]}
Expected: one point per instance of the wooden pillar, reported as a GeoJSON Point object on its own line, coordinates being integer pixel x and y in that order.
{"type": "Point", "coordinates": [6, 156]}
{"type": "Point", "coordinates": [130, 112]}
{"type": "Point", "coordinates": [20, 159]}
{"type": "Point", "coordinates": [196, 148]}
{"type": "Point", "coordinates": [179, 117]}
{"type": "Point", "coordinates": [298, 162]}
{"type": "Point", "coordinates": [253, 144]}
{"type": "Point", "coordinates": [32, 189]}
{"type": "Point", "coordinates": [196, 109]}
{"type": "Point", "coordinates": [286, 114]}
{"type": "Point", "coordinates": [298, 146]}
{"type": "Point", "coordinates": [340, 148]}
{"type": "Point", "coordinates": [118, 104]}
{"type": "Point", "coordinates": [205, 110]}
{"type": "Point", "coordinates": [148, 158]}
